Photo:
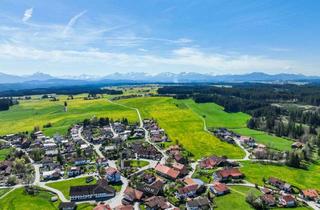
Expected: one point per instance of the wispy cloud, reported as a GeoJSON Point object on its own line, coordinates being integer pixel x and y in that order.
{"type": "Point", "coordinates": [72, 22]}
{"type": "Point", "coordinates": [27, 14]}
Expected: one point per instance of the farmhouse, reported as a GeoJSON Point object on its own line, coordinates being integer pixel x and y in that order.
{"type": "Point", "coordinates": [167, 172]}
{"type": "Point", "coordinates": [280, 184]}
{"type": "Point", "coordinates": [131, 195]}
{"type": "Point", "coordinates": [310, 194]}
{"type": "Point", "coordinates": [268, 199]}
{"type": "Point", "coordinates": [228, 174]}
{"type": "Point", "coordinates": [219, 188]}
{"type": "Point", "coordinates": [98, 191]}
{"type": "Point", "coordinates": [157, 202]}
{"type": "Point", "coordinates": [287, 201]}
{"type": "Point", "coordinates": [112, 175]}
{"type": "Point", "coordinates": [198, 204]}
{"type": "Point", "coordinates": [212, 162]}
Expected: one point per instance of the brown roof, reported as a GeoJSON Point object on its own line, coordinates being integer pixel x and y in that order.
{"type": "Point", "coordinates": [189, 181]}
{"type": "Point", "coordinates": [102, 207]}
{"type": "Point", "coordinates": [167, 171]}
{"type": "Point", "coordinates": [157, 202]}
{"type": "Point", "coordinates": [268, 198]}
{"type": "Point", "coordinates": [310, 193]}
{"type": "Point", "coordinates": [178, 166]}
{"type": "Point", "coordinates": [288, 198]}
{"type": "Point", "coordinates": [220, 187]}
{"type": "Point", "coordinates": [233, 172]}
{"type": "Point", "coordinates": [133, 193]}
{"type": "Point", "coordinates": [111, 170]}
{"type": "Point", "coordinates": [187, 189]}
{"type": "Point", "coordinates": [123, 207]}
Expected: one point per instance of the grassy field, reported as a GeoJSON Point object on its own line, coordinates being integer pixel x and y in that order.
{"type": "Point", "coordinates": [38, 112]}
{"type": "Point", "coordinates": [216, 117]}
{"type": "Point", "coordinates": [4, 191]}
{"type": "Point", "coordinates": [142, 163]}
{"type": "Point", "coordinates": [181, 124]}
{"type": "Point", "coordinates": [236, 199]}
{"type": "Point", "coordinates": [304, 179]}
{"type": "Point", "coordinates": [18, 199]}
{"type": "Point", "coordinates": [64, 186]}
{"type": "Point", "coordinates": [271, 141]}
{"type": "Point", "coordinates": [4, 153]}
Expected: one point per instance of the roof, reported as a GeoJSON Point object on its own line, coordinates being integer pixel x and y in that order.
{"type": "Point", "coordinates": [67, 205]}
{"type": "Point", "coordinates": [288, 198]}
{"type": "Point", "coordinates": [111, 171]}
{"type": "Point", "coordinates": [189, 181]}
{"type": "Point", "coordinates": [311, 193]}
{"type": "Point", "coordinates": [187, 189]}
{"type": "Point", "coordinates": [102, 207]}
{"type": "Point", "coordinates": [100, 187]}
{"type": "Point", "coordinates": [133, 193]}
{"type": "Point", "coordinates": [157, 202]}
{"type": "Point", "coordinates": [199, 202]}
{"type": "Point", "coordinates": [268, 198]}
{"type": "Point", "coordinates": [220, 187]}
{"type": "Point", "coordinates": [178, 166]}
{"type": "Point", "coordinates": [233, 172]}
{"type": "Point", "coordinates": [167, 171]}
{"type": "Point", "coordinates": [123, 207]}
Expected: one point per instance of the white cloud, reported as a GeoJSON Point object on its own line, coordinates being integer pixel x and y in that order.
{"type": "Point", "coordinates": [27, 14]}
{"type": "Point", "coordinates": [179, 59]}
{"type": "Point", "coordinates": [73, 21]}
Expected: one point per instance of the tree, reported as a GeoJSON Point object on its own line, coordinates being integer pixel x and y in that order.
{"type": "Point", "coordinates": [12, 180]}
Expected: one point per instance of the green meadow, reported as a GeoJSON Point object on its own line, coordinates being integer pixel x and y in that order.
{"type": "Point", "coordinates": [216, 117]}
{"type": "Point", "coordinates": [38, 112]}
{"type": "Point", "coordinates": [303, 179]}
{"type": "Point", "coordinates": [236, 199]}
{"type": "Point", "coordinates": [4, 153]}
{"type": "Point", "coordinates": [64, 186]}
{"type": "Point", "coordinates": [18, 199]}
{"type": "Point", "coordinates": [183, 125]}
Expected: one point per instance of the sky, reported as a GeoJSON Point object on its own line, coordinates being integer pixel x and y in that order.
{"type": "Point", "coordinates": [100, 37]}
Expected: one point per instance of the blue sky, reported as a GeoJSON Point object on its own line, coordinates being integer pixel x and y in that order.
{"type": "Point", "coordinates": [209, 36]}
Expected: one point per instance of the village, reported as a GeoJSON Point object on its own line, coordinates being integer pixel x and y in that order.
{"type": "Point", "coordinates": [127, 166]}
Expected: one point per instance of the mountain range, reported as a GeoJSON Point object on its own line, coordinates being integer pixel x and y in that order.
{"type": "Point", "coordinates": [165, 77]}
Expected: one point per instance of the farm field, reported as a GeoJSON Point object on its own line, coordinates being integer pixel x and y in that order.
{"type": "Point", "coordinates": [18, 199]}
{"type": "Point", "coordinates": [36, 112]}
{"type": "Point", "coordinates": [64, 186]}
{"type": "Point", "coordinates": [304, 179]}
{"type": "Point", "coordinates": [236, 199]}
{"type": "Point", "coordinates": [216, 117]}
{"type": "Point", "coordinates": [183, 125]}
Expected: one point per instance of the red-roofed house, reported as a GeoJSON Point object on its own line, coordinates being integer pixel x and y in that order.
{"type": "Point", "coordinates": [219, 188]}
{"type": "Point", "coordinates": [310, 194]}
{"type": "Point", "coordinates": [287, 201]}
{"type": "Point", "coordinates": [227, 174]}
{"type": "Point", "coordinates": [167, 172]}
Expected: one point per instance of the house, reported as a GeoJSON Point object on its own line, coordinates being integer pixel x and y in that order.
{"type": "Point", "coordinates": [156, 203]}
{"type": "Point", "coordinates": [198, 204]}
{"type": "Point", "coordinates": [228, 174]}
{"type": "Point", "coordinates": [297, 145]}
{"type": "Point", "coordinates": [149, 178]}
{"type": "Point", "coordinates": [212, 162]}
{"type": "Point", "coordinates": [131, 195]}
{"type": "Point", "coordinates": [181, 168]}
{"type": "Point", "coordinates": [219, 188]}
{"type": "Point", "coordinates": [187, 191]}
{"type": "Point", "coordinates": [112, 175]}
{"type": "Point", "coordinates": [280, 184]}
{"type": "Point", "coordinates": [52, 175]}
{"type": "Point", "coordinates": [268, 199]}
{"type": "Point", "coordinates": [99, 191]}
{"type": "Point", "coordinates": [249, 141]}
{"type": "Point", "coordinates": [102, 206]}
{"type": "Point", "coordinates": [67, 206]}
{"type": "Point", "coordinates": [81, 161]}
{"type": "Point", "coordinates": [287, 201]}
{"type": "Point", "coordinates": [310, 195]}
{"type": "Point", "coordinates": [74, 171]}
{"type": "Point", "coordinates": [167, 172]}
{"type": "Point", "coordinates": [151, 190]}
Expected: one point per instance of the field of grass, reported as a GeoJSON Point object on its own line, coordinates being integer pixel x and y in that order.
{"type": "Point", "coordinates": [304, 179]}
{"type": "Point", "coordinates": [183, 125]}
{"type": "Point", "coordinates": [216, 117]}
{"type": "Point", "coordinates": [271, 141]}
{"type": "Point", "coordinates": [142, 163]}
{"type": "Point", "coordinates": [64, 186]}
{"type": "Point", "coordinates": [36, 112]}
{"type": "Point", "coordinates": [18, 199]}
{"type": "Point", "coordinates": [4, 191]}
{"type": "Point", "coordinates": [4, 153]}
{"type": "Point", "coordinates": [236, 199]}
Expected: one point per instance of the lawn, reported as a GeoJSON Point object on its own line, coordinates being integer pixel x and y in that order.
{"type": "Point", "coordinates": [271, 141]}
{"type": "Point", "coordinates": [236, 199]}
{"type": "Point", "coordinates": [4, 153]}
{"type": "Point", "coordinates": [216, 117]}
{"type": "Point", "coordinates": [3, 191]}
{"type": "Point", "coordinates": [18, 199]}
{"type": "Point", "coordinates": [142, 163]}
{"type": "Point", "coordinates": [304, 179]}
{"type": "Point", "coordinates": [38, 112]}
{"type": "Point", "coordinates": [64, 186]}
{"type": "Point", "coordinates": [183, 125]}
{"type": "Point", "coordinates": [204, 175]}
